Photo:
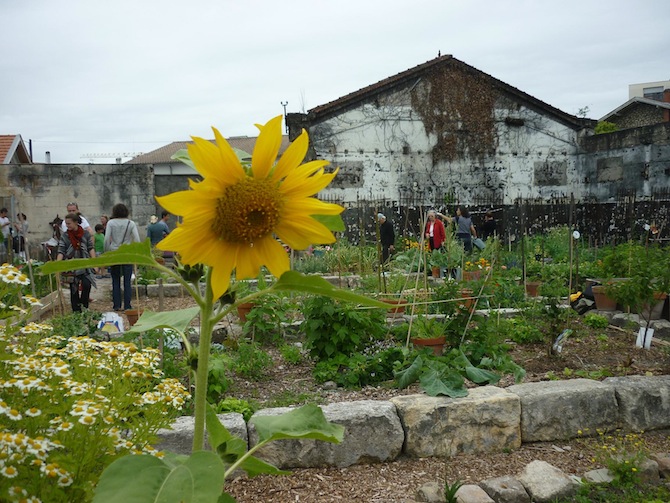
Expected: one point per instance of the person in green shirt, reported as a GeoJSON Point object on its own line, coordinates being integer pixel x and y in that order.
{"type": "Point", "coordinates": [99, 241]}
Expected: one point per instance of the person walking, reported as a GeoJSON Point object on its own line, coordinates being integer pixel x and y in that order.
{"type": "Point", "coordinates": [434, 232]}
{"type": "Point", "coordinates": [465, 231]}
{"type": "Point", "coordinates": [21, 237]}
{"type": "Point", "coordinates": [489, 226]}
{"type": "Point", "coordinates": [76, 242]}
{"type": "Point", "coordinates": [121, 230]}
{"type": "Point", "coordinates": [157, 230]}
{"type": "Point", "coordinates": [386, 236]}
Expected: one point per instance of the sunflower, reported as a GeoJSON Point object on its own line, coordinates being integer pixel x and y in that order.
{"type": "Point", "coordinates": [231, 218]}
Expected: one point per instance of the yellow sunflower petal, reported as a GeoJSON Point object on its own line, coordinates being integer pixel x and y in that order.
{"type": "Point", "coordinates": [292, 156]}
{"type": "Point", "coordinates": [274, 256]}
{"type": "Point", "coordinates": [266, 148]}
{"type": "Point", "coordinates": [302, 231]}
{"type": "Point", "coordinates": [308, 186]}
{"type": "Point", "coordinates": [232, 163]}
{"type": "Point", "coordinates": [221, 278]}
{"type": "Point", "coordinates": [312, 206]}
{"type": "Point", "coordinates": [205, 156]}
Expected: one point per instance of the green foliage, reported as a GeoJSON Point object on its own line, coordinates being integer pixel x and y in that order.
{"type": "Point", "coordinates": [217, 381]}
{"type": "Point", "coordinates": [360, 370]}
{"type": "Point", "coordinates": [605, 127]}
{"type": "Point", "coordinates": [250, 361]}
{"type": "Point", "coordinates": [265, 319]}
{"type": "Point", "coordinates": [201, 476]}
{"type": "Point", "coordinates": [311, 264]}
{"type": "Point", "coordinates": [521, 330]}
{"type": "Point", "coordinates": [333, 327]}
{"type": "Point", "coordinates": [77, 324]}
{"type": "Point", "coordinates": [451, 490]}
{"type": "Point", "coordinates": [594, 320]}
{"type": "Point", "coordinates": [230, 404]}
{"type": "Point", "coordinates": [291, 354]}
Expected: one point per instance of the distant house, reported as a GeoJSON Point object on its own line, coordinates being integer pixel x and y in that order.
{"type": "Point", "coordinates": [13, 150]}
{"type": "Point", "coordinates": [639, 112]}
{"type": "Point", "coordinates": [445, 127]}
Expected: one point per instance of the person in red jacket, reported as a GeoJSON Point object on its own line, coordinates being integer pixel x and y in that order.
{"type": "Point", "coordinates": [434, 231]}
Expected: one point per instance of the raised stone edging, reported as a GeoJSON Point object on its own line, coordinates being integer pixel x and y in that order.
{"type": "Point", "coordinates": [489, 419]}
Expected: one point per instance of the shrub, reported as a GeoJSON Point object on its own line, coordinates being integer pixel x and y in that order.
{"type": "Point", "coordinates": [251, 361]}
{"type": "Point", "coordinates": [333, 327]}
{"type": "Point", "coordinates": [291, 353]}
{"type": "Point", "coordinates": [594, 320]}
{"type": "Point", "coordinates": [231, 404]}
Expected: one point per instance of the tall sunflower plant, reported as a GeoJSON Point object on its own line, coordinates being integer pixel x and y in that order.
{"type": "Point", "coordinates": [233, 222]}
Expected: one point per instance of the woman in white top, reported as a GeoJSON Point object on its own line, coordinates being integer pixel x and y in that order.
{"type": "Point", "coordinates": [121, 230]}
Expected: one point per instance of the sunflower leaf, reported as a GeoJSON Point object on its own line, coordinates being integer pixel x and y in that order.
{"type": "Point", "coordinates": [297, 282]}
{"type": "Point", "coordinates": [135, 253]}
{"type": "Point", "coordinates": [179, 320]}
{"type": "Point", "coordinates": [182, 155]}
{"type": "Point", "coordinates": [333, 222]}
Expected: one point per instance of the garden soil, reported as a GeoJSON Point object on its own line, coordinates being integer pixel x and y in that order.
{"type": "Point", "coordinates": [595, 353]}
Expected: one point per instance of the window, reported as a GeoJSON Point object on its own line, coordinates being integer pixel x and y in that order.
{"type": "Point", "coordinates": [653, 93]}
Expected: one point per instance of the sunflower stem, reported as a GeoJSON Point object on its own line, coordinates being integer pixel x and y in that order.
{"type": "Point", "coordinates": [206, 325]}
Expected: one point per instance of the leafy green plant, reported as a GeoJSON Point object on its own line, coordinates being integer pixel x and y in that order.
{"type": "Point", "coordinates": [217, 381]}
{"type": "Point", "coordinates": [265, 319]}
{"type": "Point", "coordinates": [291, 353]}
{"type": "Point", "coordinates": [333, 327]}
{"type": "Point", "coordinates": [594, 320]}
{"type": "Point", "coordinates": [605, 127]}
{"type": "Point", "coordinates": [250, 361]}
{"type": "Point", "coordinates": [622, 454]}
{"type": "Point", "coordinates": [521, 330]}
{"type": "Point", "coordinates": [230, 404]}
{"type": "Point", "coordinates": [359, 369]}
{"type": "Point", "coordinates": [77, 324]}
{"type": "Point", "coordinates": [450, 491]}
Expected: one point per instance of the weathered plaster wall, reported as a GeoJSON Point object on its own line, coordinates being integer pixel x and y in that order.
{"type": "Point", "coordinates": [382, 148]}
{"type": "Point", "coordinates": [42, 191]}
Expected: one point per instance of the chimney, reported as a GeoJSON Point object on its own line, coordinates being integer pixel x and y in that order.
{"type": "Point", "coordinates": [666, 99]}
{"type": "Point", "coordinates": [47, 157]}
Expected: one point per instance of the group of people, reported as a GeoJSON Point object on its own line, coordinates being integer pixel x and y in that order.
{"type": "Point", "coordinates": [14, 235]}
{"type": "Point", "coordinates": [435, 232]}
{"type": "Point", "coordinates": [79, 241]}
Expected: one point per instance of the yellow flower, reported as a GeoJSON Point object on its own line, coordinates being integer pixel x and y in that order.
{"type": "Point", "coordinates": [231, 217]}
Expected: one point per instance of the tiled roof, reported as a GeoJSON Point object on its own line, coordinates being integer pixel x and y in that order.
{"type": "Point", "coordinates": [13, 150]}
{"type": "Point", "coordinates": [635, 101]}
{"type": "Point", "coordinates": [410, 76]}
{"type": "Point", "coordinates": [163, 155]}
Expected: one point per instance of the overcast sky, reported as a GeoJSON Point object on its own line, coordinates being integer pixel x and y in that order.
{"type": "Point", "coordinates": [127, 76]}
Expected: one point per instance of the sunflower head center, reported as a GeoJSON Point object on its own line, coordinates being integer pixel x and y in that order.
{"type": "Point", "coordinates": [248, 210]}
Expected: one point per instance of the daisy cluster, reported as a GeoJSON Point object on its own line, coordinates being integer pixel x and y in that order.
{"type": "Point", "coordinates": [69, 407]}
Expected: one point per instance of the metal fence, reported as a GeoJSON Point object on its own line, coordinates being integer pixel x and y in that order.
{"type": "Point", "coordinates": [600, 223]}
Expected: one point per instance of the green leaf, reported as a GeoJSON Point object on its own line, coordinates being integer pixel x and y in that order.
{"type": "Point", "coordinates": [333, 222]}
{"type": "Point", "coordinates": [307, 421]}
{"type": "Point", "coordinates": [481, 376]}
{"type": "Point", "coordinates": [135, 253]}
{"type": "Point", "coordinates": [199, 479]}
{"type": "Point", "coordinates": [231, 448]}
{"type": "Point", "coordinates": [182, 155]}
{"type": "Point", "coordinates": [410, 374]}
{"type": "Point", "coordinates": [436, 383]}
{"type": "Point", "coordinates": [296, 282]}
{"type": "Point", "coordinates": [179, 320]}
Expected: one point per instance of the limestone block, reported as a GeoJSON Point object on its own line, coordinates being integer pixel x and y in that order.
{"type": "Point", "coordinates": [644, 402]}
{"type": "Point", "coordinates": [431, 492]}
{"type": "Point", "coordinates": [179, 439]}
{"type": "Point", "coordinates": [169, 290]}
{"type": "Point", "coordinates": [505, 489]}
{"type": "Point", "coordinates": [663, 461]}
{"type": "Point", "coordinates": [546, 483]}
{"type": "Point", "coordinates": [556, 410]}
{"type": "Point", "coordinates": [624, 319]}
{"type": "Point", "coordinates": [372, 434]}
{"type": "Point", "coordinates": [649, 472]}
{"type": "Point", "coordinates": [471, 493]}
{"type": "Point", "coordinates": [661, 329]}
{"type": "Point", "coordinates": [599, 476]}
{"type": "Point", "coordinates": [487, 420]}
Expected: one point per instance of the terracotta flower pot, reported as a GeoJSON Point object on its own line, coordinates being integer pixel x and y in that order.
{"type": "Point", "coordinates": [243, 310]}
{"type": "Point", "coordinates": [133, 315]}
{"type": "Point", "coordinates": [603, 301]}
{"type": "Point", "coordinates": [435, 343]}
{"type": "Point", "coordinates": [395, 310]}
{"type": "Point", "coordinates": [435, 271]}
{"type": "Point", "coordinates": [466, 294]}
{"type": "Point", "coordinates": [533, 288]}
{"type": "Point", "coordinates": [472, 275]}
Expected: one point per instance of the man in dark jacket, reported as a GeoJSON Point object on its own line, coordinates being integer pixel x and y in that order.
{"type": "Point", "coordinates": [386, 236]}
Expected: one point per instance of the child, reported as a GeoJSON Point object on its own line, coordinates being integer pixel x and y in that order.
{"type": "Point", "coordinates": [99, 239]}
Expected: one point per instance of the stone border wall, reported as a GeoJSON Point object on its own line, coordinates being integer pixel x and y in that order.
{"type": "Point", "coordinates": [489, 419]}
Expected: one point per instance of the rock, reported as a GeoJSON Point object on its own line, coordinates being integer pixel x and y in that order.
{"type": "Point", "coordinates": [644, 402]}
{"type": "Point", "coordinates": [372, 434]}
{"type": "Point", "coordinates": [431, 492]}
{"type": "Point", "coordinates": [663, 461]}
{"type": "Point", "coordinates": [648, 470]}
{"type": "Point", "coordinates": [329, 386]}
{"type": "Point", "coordinates": [599, 476]}
{"type": "Point", "coordinates": [624, 319]}
{"type": "Point", "coordinates": [505, 489]}
{"type": "Point", "coordinates": [554, 410]}
{"type": "Point", "coordinates": [486, 420]}
{"type": "Point", "coordinates": [471, 493]}
{"type": "Point", "coordinates": [179, 439]}
{"type": "Point", "coordinates": [661, 329]}
{"type": "Point", "coordinates": [546, 483]}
